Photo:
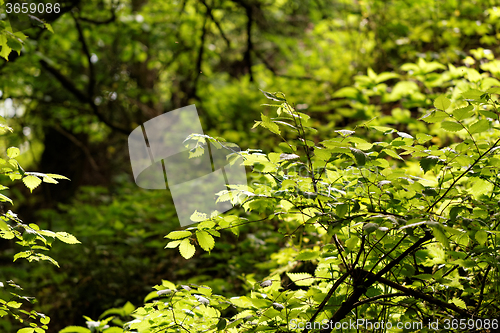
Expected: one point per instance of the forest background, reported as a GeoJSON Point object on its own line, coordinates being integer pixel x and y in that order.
{"type": "Point", "coordinates": [73, 89]}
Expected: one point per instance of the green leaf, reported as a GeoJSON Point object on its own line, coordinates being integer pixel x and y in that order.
{"type": "Point", "coordinates": [172, 244]}
{"type": "Point", "coordinates": [383, 129]}
{"type": "Point", "coordinates": [489, 114]}
{"type": "Point", "coordinates": [179, 234]}
{"type": "Point", "coordinates": [198, 217]}
{"type": "Point", "coordinates": [480, 187]}
{"type": "Point", "coordinates": [267, 123]}
{"type": "Point", "coordinates": [392, 153]}
{"type": "Point", "coordinates": [49, 27]}
{"type": "Point", "coordinates": [348, 92]}
{"type": "Point", "coordinates": [341, 210]}
{"type": "Point", "coordinates": [272, 96]}
{"type": "Point", "coordinates": [463, 113]}
{"type": "Point", "coordinates": [494, 90]}
{"type": "Point", "coordinates": [14, 305]}
{"type": "Point", "coordinates": [3, 225]}
{"type": "Point", "coordinates": [67, 238]}
{"type": "Point", "coordinates": [15, 44]}
{"type": "Point", "coordinates": [4, 129]}
{"type": "Point", "coordinates": [50, 180]}
{"type": "Point", "coordinates": [434, 117]}
{"type": "Point", "coordinates": [24, 254]}
{"type": "Point", "coordinates": [6, 234]}
{"type": "Point", "coordinates": [428, 163]}
{"type": "Point", "coordinates": [301, 279]}
{"type": "Point", "coordinates": [13, 152]}
{"type": "Point", "coordinates": [451, 126]}
{"type": "Point", "coordinates": [205, 240]}
{"type": "Point", "coordinates": [479, 126]}
{"type": "Point", "coordinates": [352, 242]}
{"type": "Point", "coordinates": [371, 74]}
{"type": "Point", "coordinates": [31, 182]}
{"type": "Point", "coordinates": [221, 325]}
{"type": "Point", "coordinates": [481, 236]}
{"type": "Point", "coordinates": [186, 249]}
{"type": "Point", "coordinates": [359, 155]}
{"type": "Point", "coordinates": [370, 227]}
{"type": "Point", "coordinates": [288, 157]}
{"type": "Point", "coordinates": [27, 330]}
{"type": "Point", "coordinates": [423, 138]}
{"type": "Point", "coordinates": [55, 176]}
{"type": "Point", "coordinates": [4, 53]}
{"type": "Point", "coordinates": [386, 76]}
{"type": "Point", "coordinates": [360, 144]}
{"type": "Point", "coordinates": [307, 255]}
{"type": "Point", "coordinates": [4, 198]}
{"type": "Point", "coordinates": [473, 94]}
{"type": "Point", "coordinates": [459, 302]}
{"type": "Point", "coordinates": [442, 103]}
{"type": "Point", "coordinates": [440, 235]}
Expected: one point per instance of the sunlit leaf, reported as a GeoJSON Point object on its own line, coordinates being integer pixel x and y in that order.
{"type": "Point", "coordinates": [31, 182]}
{"type": "Point", "coordinates": [205, 240]}
{"type": "Point", "coordinates": [186, 249]}
{"type": "Point", "coordinates": [451, 126]}
{"type": "Point", "coordinates": [442, 103]}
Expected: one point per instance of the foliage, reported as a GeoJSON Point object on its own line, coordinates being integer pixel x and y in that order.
{"type": "Point", "coordinates": [403, 229]}
{"type": "Point", "coordinates": [372, 67]}
{"type": "Point", "coordinates": [30, 236]}
{"type": "Point", "coordinates": [11, 40]}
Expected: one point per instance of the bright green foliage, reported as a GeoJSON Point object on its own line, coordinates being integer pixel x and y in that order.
{"type": "Point", "coordinates": [36, 240]}
{"type": "Point", "coordinates": [151, 56]}
{"type": "Point", "coordinates": [403, 219]}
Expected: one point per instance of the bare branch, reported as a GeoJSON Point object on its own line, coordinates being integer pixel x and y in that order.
{"type": "Point", "coordinates": [81, 38]}
{"type": "Point", "coordinates": [68, 85]}
{"type": "Point", "coordinates": [375, 298]}
{"type": "Point", "coordinates": [209, 11]}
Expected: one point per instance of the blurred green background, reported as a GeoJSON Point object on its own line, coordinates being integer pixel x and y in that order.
{"type": "Point", "coordinates": [74, 95]}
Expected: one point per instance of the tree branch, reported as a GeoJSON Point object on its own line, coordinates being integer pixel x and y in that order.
{"type": "Point", "coordinates": [65, 82]}
{"type": "Point", "coordinates": [325, 300]}
{"type": "Point", "coordinates": [367, 281]}
{"type": "Point", "coordinates": [248, 52]}
{"type": "Point", "coordinates": [375, 298]}
{"type": "Point", "coordinates": [81, 38]}
{"type": "Point", "coordinates": [199, 59]}
{"type": "Point", "coordinates": [291, 77]}
{"type": "Point", "coordinates": [78, 143]}
{"type": "Point", "coordinates": [460, 177]}
{"type": "Point", "coordinates": [419, 295]}
{"type": "Point", "coordinates": [481, 295]}
{"type": "Point", "coordinates": [209, 11]}
{"type": "Point", "coordinates": [68, 85]}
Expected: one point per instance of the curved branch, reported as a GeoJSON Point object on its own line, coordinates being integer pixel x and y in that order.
{"type": "Point", "coordinates": [325, 300]}
{"type": "Point", "coordinates": [209, 10]}
{"type": "Point", "coordinates": [248, 51]}
{"type": "Point", "coordinates": [375, 298]}
{"type": "Point", "coordinates": [68, 85]}
{"type": "Point", "coordinates": [85, 48]}
{"type": "Point", "coordinates": [463, 174]}
{"type": "Point", "coordinates": [367, 281]}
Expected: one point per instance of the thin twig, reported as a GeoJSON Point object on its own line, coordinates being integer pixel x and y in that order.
{"type": "Point", "coordinates": [463, 174]}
